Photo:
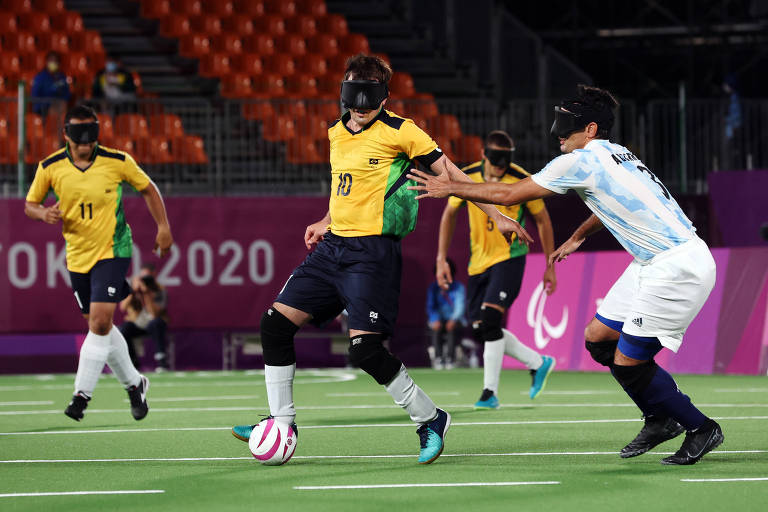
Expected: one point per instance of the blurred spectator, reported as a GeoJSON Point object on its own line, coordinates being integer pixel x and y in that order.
{"type": "Point", "coordinates": [445, 312]}
{"type": "Point", "coordinates": [145, 315]}
{"type": "Point", "coordinates": [50, 84]}
{"type": "Point", "coordinates": [733, 120]}
{"type": "Point", "coordinates": [114, 84]}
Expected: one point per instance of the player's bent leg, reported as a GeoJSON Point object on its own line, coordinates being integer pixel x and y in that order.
{"type": "Point", "coordinates": [93, 356]}
{"type": "Point", "coordinates": [491, 317]}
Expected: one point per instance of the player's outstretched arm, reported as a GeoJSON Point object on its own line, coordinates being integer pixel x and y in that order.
{"type": "Point", "coordinates": [547, 237]}
{"type": "Point", "coordinates": [315, 232]}
{"type": "Point", "coordinates": [589, 226]}
{"type": "Point", "coordinates": [164, 239]}
{"type": "Point", "coordinates": [447, 228]}
{"type": "Point", "coordinates": [49, 215]}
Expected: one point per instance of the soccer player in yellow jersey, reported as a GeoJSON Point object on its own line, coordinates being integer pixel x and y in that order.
{"type": "Point", "coordinates": [357, 262]}
{"type": "Point", "coordinates": [87, 181]}
{"type": "Point", "coordinates": [496, 269]}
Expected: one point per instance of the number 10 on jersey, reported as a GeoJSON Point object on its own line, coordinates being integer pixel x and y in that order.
{"type": "Point", "coordinates": [345, 184]}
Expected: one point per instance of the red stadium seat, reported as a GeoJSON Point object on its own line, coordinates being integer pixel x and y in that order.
{"type": "Point", "coordinates": [8, 22]}
{"type": "Point", "coordinates": [54, 122]}
{"type": "Point", "coordinates": [3, 128]}
{"type": "Point", "coordinates": [88, 41]}
{"type": "Point", "coordinates": [34, 21]}
{"type": "Point", "coordinates": [68, 22]}
{"type": "Point", "coordinates": [106, 130]}
{"type": "Point", "coordinates": [314, 8]}
{"type": "Point", "coordinates": [311, 64]}
{"type": "Point", "coordinates": [175, 26]}
{"type": "Point", "coordinates": [38, 148]}
{"type": "Point", "coordinates": [279, 64]}
{"type": "Point", "coordinates": [249, 8]}
{"type": "Point", "coordinates": [188, 150]}
{"type": "Point", "coordinates": [333, 24]}
{"type": "Point", "coordinates": [468, 149]}
{"type": "Point", "coordinates": [258, 110]}
{"type": "Point", "coordinates": [425, 108]}
{"type": "Point", "coordinates": [302, 151]}
{"type": "Point", "coordinates": [124, 143]}
{"type": "Point", "coordinates": [401, 85]}
{"type": "Point", "coordinates": [353, 44]}
{"type": "Point", "coordinates": [337, 63]}
{"type": "Point", "coordinates": [323, 44]}
{"type": "Point", "coordinates": [10, 64]}
{"type": "Point", "coordinates": [194, 45]}
{"type": "Point", "coordinates": [205, 24]}
{"type": "Point", "coordinates": [260, 44]}
{"type": "Point", "coordinates": [9, 153]}
{"type": "Point", "coordinates": [49, 6]}
{"type": "Point", "coordinates": [17, 6]}
{"type": "Point", "coordinates": [236, 85]}
{"type": "Point", "coordinates": [32, 61]}
{"type": "Point", "coordinates": [291, 107]}
{"type": "Point", "coordinates": [133, 125]}
{"type": "Point", "coordinates": [329, 84]}
{"type": "Point", "coordinates": [155, 9]}
{"type": "Point", "coordinates": [444, 126]}
{"type": "Point", "coordinates": [53, 41]}
{"type": "Point", "coordinates": [165, 125]}
{"type": "Point", "coordinates": [269, 85]}
{"type": "Point", "coordinates": [187, 7]}
{"type": "Point", "coordinates": [153, 150]}
{"type": "Point", "coordinates": [226, 43]}
{"type": "Point", "coordinates": [214, 64]}
{"type": "Point", "coordinates": [326, 110]}
{"type": "Point", "coordinates": [446, 146]}
{"type": "Point", "coordinates": [19, 42]}
{"type": "Point", "coordinates": [237, 25]}
{"type": "Point", "coordinates": [247, 63]}
{"type": "Point", "coordinates": [34, 126]}
{"type": "Point", "coordinates": [220, 8]}
{"type": "Point", "coordinates": [284, 8]}
{"type": "Point", "coordinates": [75, 64]}
{"type": "Point", "coordinates": [279, 128]}
{"type": "Point", "coordinates": [315, 128]}
{"type": "Point", "coordinates": [291, 44]}
{"type": "Point", "coordinates": [302, 25]}
{"type": "Point", "coordinates": [269, 24]}
{"type": "Point", "coordinates": [301, 85]}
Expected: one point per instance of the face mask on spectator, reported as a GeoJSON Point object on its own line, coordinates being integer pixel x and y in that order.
{"type": "Point", "coordinates": [52, 65]}
{"type": "Point", "coordinates": [111, 66]}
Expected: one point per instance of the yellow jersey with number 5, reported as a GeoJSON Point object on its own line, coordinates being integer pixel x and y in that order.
{"type": "Point", "coordinates": [487, 245]}
{"type": "Point", "coordinates": [91, 204]}
{"type": "Point", "coordinates": [369, 188]}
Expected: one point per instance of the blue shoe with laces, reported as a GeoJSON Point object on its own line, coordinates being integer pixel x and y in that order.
{"type": "Point", "coordinates": [487, 400]}
{"type": "Point", "coordinates": [432, 437]}
{"type": "Point", "coordinates": [243, 432]}
{"type": "Point", "coordinates": [539, 377]}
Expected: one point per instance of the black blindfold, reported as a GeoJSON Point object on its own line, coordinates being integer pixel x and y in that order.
{"type": "Point", "coordinates": [82, 133]}
{"type": "Point", "coordinates": [499, 157]}
{"type": "Point", "coordinates": [363, 94]}
{"type": "Point", "coordinates": [574, 115]}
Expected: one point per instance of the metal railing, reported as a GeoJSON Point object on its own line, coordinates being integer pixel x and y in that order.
{"type": "Point", "coordinates": [251, 146]}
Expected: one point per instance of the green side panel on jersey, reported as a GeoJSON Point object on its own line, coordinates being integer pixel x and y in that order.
{"type": "Point", "coordinates": [517, 248]}
{"type": "Point", "coordinates": [400, 205]}
{"type": "Point", "coordinates": [122, 241]}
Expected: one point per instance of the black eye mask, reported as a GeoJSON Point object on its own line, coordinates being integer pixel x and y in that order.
{"type": "Point", "coordinates": [82, 133]}
{"type": "Point", "coordinates": [499, 157]}
{"type": "Point", "coordinates": [573, 115]}
{"type": "Point", "coordinates": [363, 94]}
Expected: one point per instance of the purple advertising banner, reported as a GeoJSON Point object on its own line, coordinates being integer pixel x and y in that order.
{"type": "Point", "coordinates": [739, 206]}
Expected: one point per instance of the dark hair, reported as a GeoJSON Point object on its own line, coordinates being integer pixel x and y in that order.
{"type": "Point", "coordinates": [599, 100]}
{"type": "Point", "coordinates": [451, 265]}
{"type": "Point", "coordinates": [52, 54]}
{"type": "Point", "coordinates": [368, 67]}
{"type": "Point", "coordinates": [80, 112]}
{"type": "Point", "coordinates": [149, 266]}
{"type": "Point", "coordinates": [499, 138]}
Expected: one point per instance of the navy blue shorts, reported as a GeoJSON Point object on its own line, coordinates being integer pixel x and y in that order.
{"type": "Point", "coordinates": [105, 282]}
{"type": "Point", "coordinates": [359, 274]}
{"type": "Point", "coordinates": [499, 284]}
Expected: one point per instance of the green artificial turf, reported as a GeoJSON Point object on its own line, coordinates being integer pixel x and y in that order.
{"type": "Point", "coordinates": [570, 435]}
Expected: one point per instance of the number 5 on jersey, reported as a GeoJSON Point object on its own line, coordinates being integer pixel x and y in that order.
{"type": "Point", "coordinates": [345, 184]}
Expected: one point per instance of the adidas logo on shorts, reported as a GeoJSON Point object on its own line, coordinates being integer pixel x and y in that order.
{"type": "Point", "coordinates": [638, 321]}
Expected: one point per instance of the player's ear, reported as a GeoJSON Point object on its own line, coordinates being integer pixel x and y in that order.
{"type": "Point", "coordinates": [592, 130]}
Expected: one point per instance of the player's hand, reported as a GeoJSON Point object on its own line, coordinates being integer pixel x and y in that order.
{"type": "Point", "coordinates": [52, 214]}
{"type": "Point", "coordinates": [430, 186]}
{"type": "Point", "coordinates": [509, 226]}
{"type": "Point", "coordinates": [163, 241]}
{"type": "Point", "coordinates": [443, 274]}
{"type": "Point", "coordinates": [549, 280]}
{"type": "Point", "coordinates": [314, 233]}
{"type": "Point", "coordinates": [562, 252]}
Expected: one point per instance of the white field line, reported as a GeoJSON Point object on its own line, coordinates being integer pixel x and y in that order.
{"type": "Point", "coordinates": [760, 479]}
{"type": "Point", "coordinates": [198, 398]}
{"type": "Point", "coordinates": [330, 457]}
{"type": "Point", "coordinates": [577, 392]}
{"type": "Point", "coordinates": [366, 425]}
{"type": "Point", "coordinates": [402, 486]}
{"type": "Point", "coordinates": [381, 393]}
{"type": "Point", "coordinates": [76, 493]}
{"type": "Point", "coordinates": [741, 390]}
{"type": "Point", "coordinates": [43, 402]}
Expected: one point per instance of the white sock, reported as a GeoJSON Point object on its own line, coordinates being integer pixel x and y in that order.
{"type": "Point", "coordinates": [279, 381]}
{"type": "Point", "coordinates": [93, 355]}
{"type": "Point", "coordinates": [526, 355]}
{"type": "Point", "coordinates": [120, 361]}
{"type": "Point", "coordinates": [493, 356]}
{"type": "Point", "coordinates": [411, 397]}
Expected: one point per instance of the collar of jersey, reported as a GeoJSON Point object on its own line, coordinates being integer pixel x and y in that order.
{"type": "Point", "coordinates": [93, 157]}
{"type": "Point", "coordinates": [346, 117]}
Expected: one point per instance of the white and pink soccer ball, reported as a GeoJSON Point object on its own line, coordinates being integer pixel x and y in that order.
{"type": "Point", "coordinates": [272, 442]}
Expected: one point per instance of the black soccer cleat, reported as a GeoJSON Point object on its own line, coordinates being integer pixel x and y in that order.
{"type": "Point", "coordinates": [138, 397]}
{"type": "Point", "coordinates": [697, 444]}
{"type": "Point", "coordinates": [76, 407]}
{"type": "Point", "coordinates": [655, 431]}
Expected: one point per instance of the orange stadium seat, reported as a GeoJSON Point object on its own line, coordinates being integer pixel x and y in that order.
{"type": "Point", "coordinates": [270, 24]}
{"type": "Point", "coordinates": [269, 85]}
{"type": "Point", "coordinates": [301, 85]}
{"type": "Point", "coordinates": [10, 64]}
{"type": "Point", "coordinates": [337, 63]}
{"type": "Point", "coordinates": [353, 44]}
{"type": "Point", "coordinates": [133, 125]}
{"type": "Point", "coordinates": [314, 8]}
{"type": "Point", "coordinates": [315, 128]}
{"type": "Point", "coordinates": [165, 125]}
{"type": "Point", "coordinates": [291, 44]}
{"type": "Point", "coordinates": [469, 149]}
{"type": "Point", "coordinates": [236, 85]}
{"type": "Point", "coordinates": [34, 21]}
{"type": "Point", "coordinates": [34, 126]}
{"type": "Point", "coordinates": [279, 64]}
{"type": "Point", "coordinates": [333, 24]}
{"type": "Point", "coordinates": [303, 151]}
{"type": "Point", "coordinates": [220, 8]}
{"type": "Point", "coordinates": [226, 43]}
{"type": "Point", "coordinates": [88, 41]}
{"type": "Point", "coordinates": [284, 8]}
{"type": "Point", "coordinates": [175, 26]}
{"type": "Point", "coordinates": [205, 24]}
{"type": "Point", "coordinates": [8, 150]}
{"type": "Point", "coordinates": [53, 41]}
{"type": "Point", "coordinates": [423, 107]}
{"type": "Point", "coordinates": [258, 110]}
{"type": "Point", "coordinates": [188, 7]}
{"type": "Point", "coordinates": [68, 22]}
{"type": "Point", "coordinates": [446, 146]}
{"type": "Point", "coordinates": [40, 147]}
{"type": "Point", "coordinates": [32, 61]}
{"type": "Point", "coordinates": [247, 63]}
{"type": "Point", "coordinates": [75, 64]}
{"type": "Point", "coordinates": [302, 25]}
{"type": "Point", "coordinates": [155, 9]}
{"type": "Point", "coordinates": [214, 64]}
{"type": "Point", "coordinates": [279, 128]}
{"type": "Point", "coordinates": [402, 86]}
{"type": "Point", "coordinates": [237, 25]}
{"type": "Point", "coordinates": [124, 143]}
{"type": "Point", "coordinates": [194, 45]}
{"type": "Point", "coordinates": [153, 150]}
{"type": "Point", "coordinates": [311, 64]}
{"type": "Point", "coordinates": [326, 110]}
{"type": "Point", "coordinates": [3, 128]}
{"type": "Point", "coordinates": [260, 44]}
{"type": "Point", "coordinates": [50, 6]}
{"type": "Point", "coordinates": [329, 84]}
{"type": "Point", "coordinates": [188, 150]}
{"type": "Point", "coordinates": [323, 44]}
{"type": "Point", "coordinates": [54, 123]}
{"type": "Point", "coordinates": [8, 22]}
{"type": "Point", "coordinates": [445, 126]}
{"type": "Point", "coordinates": [291, 107]}
{"type": "Point", "coordinates": [17, 6]}
{"type": "Point", "coordinates": [249, 8]}
{"type": "Point", "coordinates": [106, 130]}
{"type": "Point", "coordinates": [19, 42]}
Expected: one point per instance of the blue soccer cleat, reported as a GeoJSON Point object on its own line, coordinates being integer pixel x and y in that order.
{"type": "Point", "coordinates": [432, 437]}
{"type": "Point", "coordinates": [539, 377]}
{"type": "Point", "coordinates": [487, 400]}
{"type": "Point", "coordinates": [243, 432]}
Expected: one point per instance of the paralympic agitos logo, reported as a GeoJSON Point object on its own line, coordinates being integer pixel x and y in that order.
{"type": "Point", "coordinates": [543, 331]}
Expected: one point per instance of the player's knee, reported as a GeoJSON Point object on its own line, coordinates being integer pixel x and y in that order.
{"type": "Point", "coordinates": [490, 324]}
{"type": "Point", "coordinates": [635, 378]}
{"type": "Point", "coordinates": [602, 352]}
{"type": "Point", "coordinates": [277, 339]}
{"type": "Point", "coordinates": [99, 324]}
{"type": "Point", "coordinates": [367, 352]}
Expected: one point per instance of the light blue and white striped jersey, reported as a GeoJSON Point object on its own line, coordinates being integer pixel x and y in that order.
{"type": "Point", "coordinates": [624, 194]}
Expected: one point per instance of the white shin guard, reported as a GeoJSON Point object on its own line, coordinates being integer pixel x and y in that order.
{"type": "Point", "coordinates": [526, 355]}
{"type": "Point", "coordinates": [119, 360]}
{"type": "Point", "coordinates": [493, 356]}
{"type": "Point", "coordinates": [411, 397]}
{"type": "Point", "coordinates": [279, 380]}
{"type": "Point", "coordinates": [93, 356]}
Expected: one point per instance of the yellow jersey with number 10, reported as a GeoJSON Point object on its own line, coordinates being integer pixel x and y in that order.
{"type": "Point", "coordinates": [91, 204]}
{"type": "Point", "coordinates": [487, 245]}
{"type": "Point", "coordinates": [369, 194]}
